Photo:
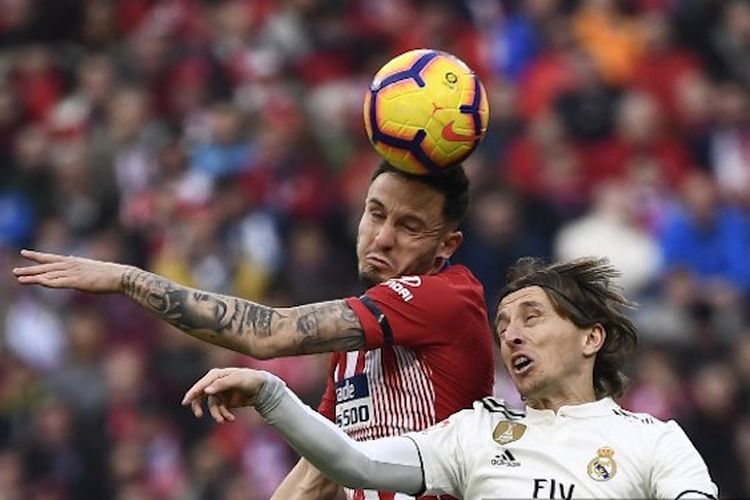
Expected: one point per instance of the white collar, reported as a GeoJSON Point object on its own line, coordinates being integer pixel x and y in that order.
{"type": "Point", "coordinates": [602, 407]}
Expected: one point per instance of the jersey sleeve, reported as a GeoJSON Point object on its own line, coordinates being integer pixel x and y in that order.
{"type": "Point", "coordinates": [678, 470]}
{"type": "Point", "coordinates": [443, 456]}
{"type": "Point", "coordinates": [411, 311]}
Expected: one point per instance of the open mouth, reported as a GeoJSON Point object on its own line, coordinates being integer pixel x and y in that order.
{"type": "Point", "coordinates": [521, 364]}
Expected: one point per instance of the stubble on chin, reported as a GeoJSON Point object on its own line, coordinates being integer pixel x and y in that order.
{"type": "Point", "coordinates": [369, 278]}
{"type": "Point", "coordinates": [532, 390]}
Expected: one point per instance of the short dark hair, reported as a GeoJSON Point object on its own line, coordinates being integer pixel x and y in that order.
{"type": "Point", "coordinates": [451, 182]}
{"type": "Point", "coordinates": [583, 292]}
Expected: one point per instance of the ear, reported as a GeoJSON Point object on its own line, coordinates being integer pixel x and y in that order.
{"type": "Point", "coordinates": [593, 340]}
{"type": "Point", "coordinates": [449, 245]}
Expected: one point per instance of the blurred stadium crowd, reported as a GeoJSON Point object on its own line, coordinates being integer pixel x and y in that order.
{"type": "Point", "coordinates": [220, 143]}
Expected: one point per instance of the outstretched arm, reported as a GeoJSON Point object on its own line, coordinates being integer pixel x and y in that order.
{"type": "Point", "coordinates": [389, 464]}
{"type": "Point", "coordinates": [241, 325]}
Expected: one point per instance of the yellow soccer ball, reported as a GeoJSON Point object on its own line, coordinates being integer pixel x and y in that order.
{"type": "Point", "coordinates": [425, 111]}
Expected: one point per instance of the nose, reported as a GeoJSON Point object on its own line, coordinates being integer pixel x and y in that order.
{"type": "Point", "coordinates": [512, 335]}
{"type": "Point", "coordinates": [385, 236]}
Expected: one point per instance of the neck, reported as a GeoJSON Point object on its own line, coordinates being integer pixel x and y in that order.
{"type": "Point", "coordinates": [570, 397]}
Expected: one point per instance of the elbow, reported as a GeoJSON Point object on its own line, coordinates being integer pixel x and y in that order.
{"type": "Point", "coordinates": [280, 341]}
{"type": "Point", "coordinates": [346, 474]}
{"type": "Point", "coordinates": [275, 346]}
{"type": "Point", "coordinates": [354, 471]}
{"type": "Point", "coordinates": [261, 352]}
{"type": "Point", "coordinates": [279, 338]}
{"type": "Point", "coordinates": [358, 482]}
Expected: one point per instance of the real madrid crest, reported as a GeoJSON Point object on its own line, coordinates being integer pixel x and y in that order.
{"type": "Point", "coordinates": [603, 467]}
{"type": "Point", "coordinates": [506, 432]}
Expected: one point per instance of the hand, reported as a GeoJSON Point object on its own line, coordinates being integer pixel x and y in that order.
{"type": "Point", "coordinates": [224, 388]}
{"type": "Point", "coordinates": [64, 271]}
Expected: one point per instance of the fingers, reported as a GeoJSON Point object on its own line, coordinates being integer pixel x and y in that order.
{"type": "Point", "coordinates": [219, 410]}
{"type": "Point", "coordinates": [51, 275]}
{"type": "Point", "coordinates": [195, 405]}
{"type": "Point", "coordinates": [55, 279]}
{"type": "Point", "coordinates": [221, 387]}
{"type": "Point", "coordinates": [38, 269]}
{"type": "Point", "coordinates": [41, 257]}
{"type": "Point", "coordinates": [208, 386]}
{"type": "Point", "coordinates": [214, 408]}
{"type": "Point", "coordinates": [226, 413]}
{"type": "Point", "coordinates": [51, 270]}
{"type": "Point", "coordinates": [222, 383]}
{"type": "Point", "coordinates": [238, 387]}
{"type": "Point", "coordinates": [197, 391]}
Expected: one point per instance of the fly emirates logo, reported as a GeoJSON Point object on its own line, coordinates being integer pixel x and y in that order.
{"type": "Point", "coordinates": [399, 285]}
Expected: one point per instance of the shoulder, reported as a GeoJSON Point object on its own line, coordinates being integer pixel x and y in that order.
{"type": "Point", "coordinates": [636, 418]}
{"type": "Point", "coordinates": [498, 408]}
{"type": "Point", "coordinates": [488, 408]}
{"type": "Point", "coordinates": [451, 425]}
{"type": "Point", "coordinates": [647, 428]}
{"type": "Point", "coordinates": [490, 417]}
{"type": "Point", "coordinates": [484, 413]}
{"type": "Point", "coordinates": [458, 274]}
{"type": "Point", "coordinates": [451, 275]}
{"type": "Point", "coordinates": [454, 284]}
{"type": "Point", "coordinates": [644, 424]}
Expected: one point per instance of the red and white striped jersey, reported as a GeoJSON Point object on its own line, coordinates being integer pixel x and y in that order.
{"type": "Point", "coordinates": [428, 354]}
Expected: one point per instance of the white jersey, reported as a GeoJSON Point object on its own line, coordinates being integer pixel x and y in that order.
{"type": "Point", "coordinates": [593, 450]}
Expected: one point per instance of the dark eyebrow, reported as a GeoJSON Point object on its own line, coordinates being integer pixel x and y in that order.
{"type": "Point", "coordinates": [406, 218]}
{"type": "Point", "coordinates": [526, 304]}
{"type": "Point", "coordinates": [501, 316]}
{"type": "Point", "coordinates": [531, 304]}
{"type": "Point", "coordinates": [375, 201]}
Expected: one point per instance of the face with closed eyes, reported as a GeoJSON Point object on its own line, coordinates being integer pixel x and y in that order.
{"type": "Point", "coordinates": [548, 357]}
{"type": "Point", "coordinates": [403, 230]}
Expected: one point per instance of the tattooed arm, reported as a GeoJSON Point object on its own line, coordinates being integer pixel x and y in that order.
{"type": "Point", "coordinates": [243, 326]}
